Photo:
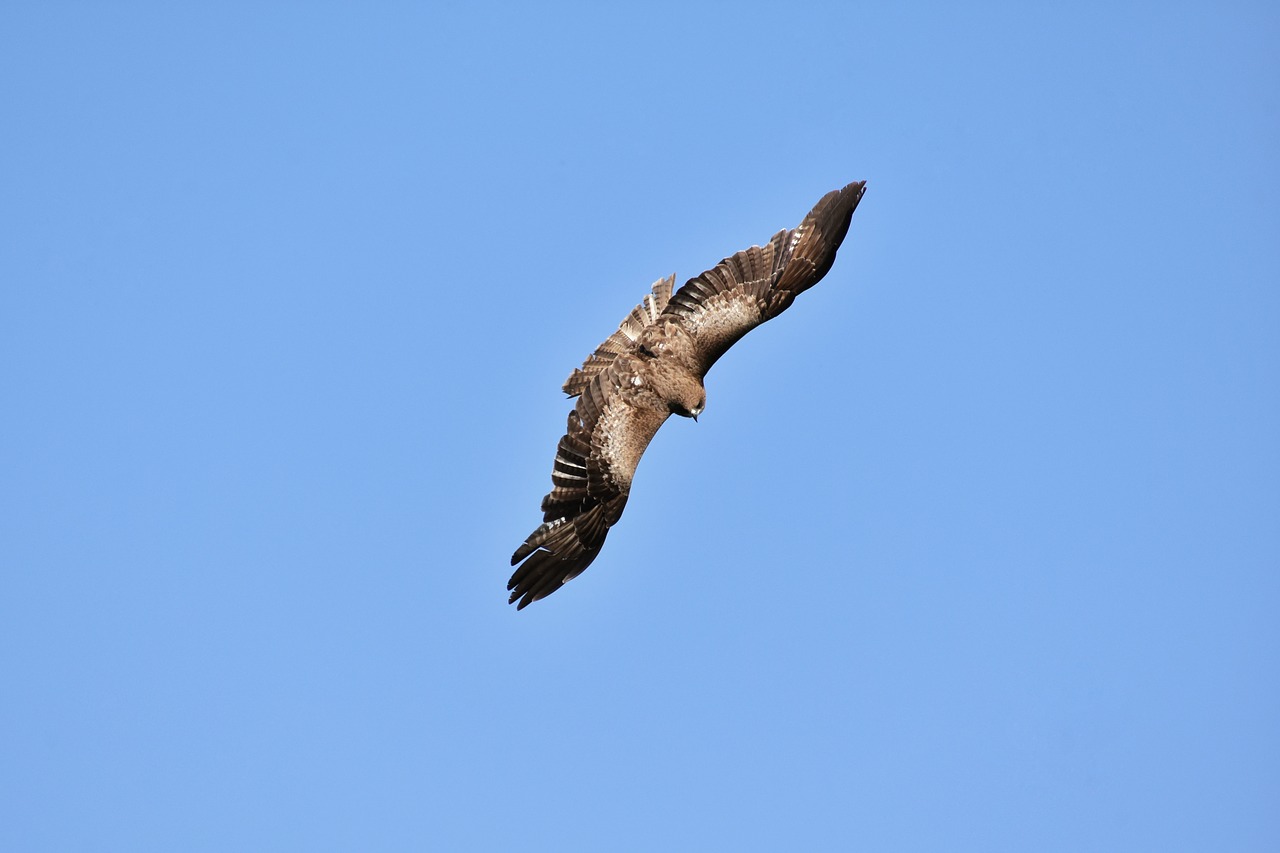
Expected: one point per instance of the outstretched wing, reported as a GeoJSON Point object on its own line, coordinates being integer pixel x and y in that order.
{"type": "Point", "coordinates": [609, 429]}
{"type": "Point", "coordinates": [757, 284]}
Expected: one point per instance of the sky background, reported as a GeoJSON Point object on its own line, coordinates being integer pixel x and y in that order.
{"type": "Point", "coordinates": [977, 547]}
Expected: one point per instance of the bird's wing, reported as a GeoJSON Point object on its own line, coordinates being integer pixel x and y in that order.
{"type": "Point", "coordinates": [757, 284]}
{"type": "Point", "coordinates": [644, 314]}
{"type": "Point", "coordinates": [608, 431]}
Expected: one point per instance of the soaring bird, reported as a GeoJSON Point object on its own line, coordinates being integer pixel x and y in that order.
{"type": "Point", "coordinates": [652, 367]}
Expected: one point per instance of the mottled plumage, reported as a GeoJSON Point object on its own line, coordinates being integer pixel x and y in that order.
{"type": "Point", "coordinates": [651, 368]}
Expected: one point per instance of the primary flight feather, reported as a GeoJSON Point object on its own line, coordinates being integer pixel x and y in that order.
{"type": "Point", "coordinates": [651, 368]}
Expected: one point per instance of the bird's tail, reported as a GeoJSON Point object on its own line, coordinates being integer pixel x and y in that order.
{"type": "Point", "coordinates": [643, 315]}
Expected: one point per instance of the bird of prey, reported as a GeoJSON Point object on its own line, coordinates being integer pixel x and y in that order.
{"type": "Point", "coordinates": [651, 368]}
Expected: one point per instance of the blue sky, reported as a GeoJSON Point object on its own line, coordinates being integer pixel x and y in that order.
{"type": "Point", "coordinates": [977, 547]}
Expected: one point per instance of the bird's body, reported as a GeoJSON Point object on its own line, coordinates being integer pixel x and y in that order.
{"type": "Point", "coordinates": [653, 367]}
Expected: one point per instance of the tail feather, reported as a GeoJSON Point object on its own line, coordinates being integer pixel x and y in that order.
{"type": "Point", "coordinates": [620, 341]}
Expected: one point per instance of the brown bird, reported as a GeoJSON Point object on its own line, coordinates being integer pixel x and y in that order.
{"type": "Point", "coordinates": [652, 368]}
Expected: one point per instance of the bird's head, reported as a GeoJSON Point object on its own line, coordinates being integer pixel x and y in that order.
{"type": "Point", "coordinates": [690, 403]}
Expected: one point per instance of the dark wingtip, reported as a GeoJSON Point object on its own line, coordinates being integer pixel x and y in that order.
{"type": "Point", "coordinates": [852, 193]}
{"type": "Point", "coordinates": [526, 548]}
{"type": "Point", "coordinates": [849, 195]}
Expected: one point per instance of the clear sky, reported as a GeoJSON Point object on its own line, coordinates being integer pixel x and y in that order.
{"type": "Point", "coordinates": [977, 547]}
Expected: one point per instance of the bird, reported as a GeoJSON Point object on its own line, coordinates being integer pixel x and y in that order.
{"type": "Point", "coordinates": [653, 367]}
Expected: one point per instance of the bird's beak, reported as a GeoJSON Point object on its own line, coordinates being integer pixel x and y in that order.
{"type": "Point", "coordinates": [695, 419]}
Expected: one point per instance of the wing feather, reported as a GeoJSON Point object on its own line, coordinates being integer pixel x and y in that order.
{"type": "Point", "coordinates": [757, 284]}
{"type": "Point", "coordinates": [607, 432]}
